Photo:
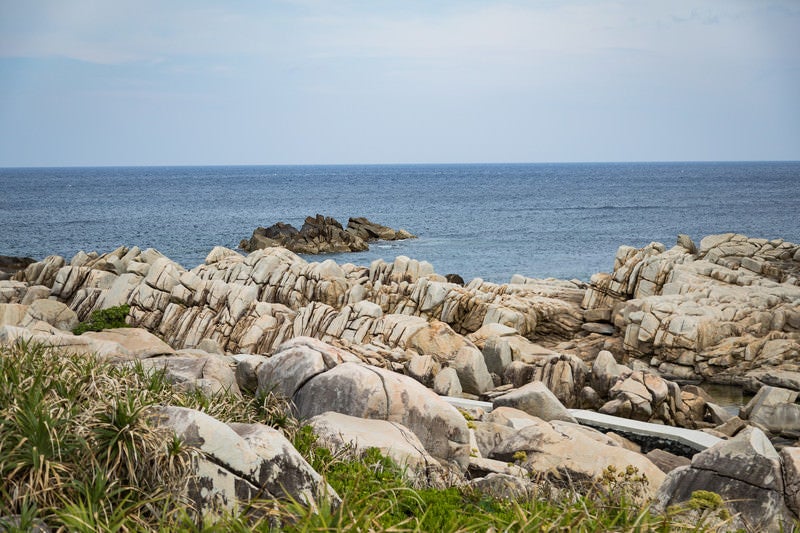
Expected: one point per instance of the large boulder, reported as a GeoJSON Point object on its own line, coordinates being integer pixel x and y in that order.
{"type": "Point", "coordinates": [195, 370]}
{"type": "Point", "coordinates": [295, 362]}
{"type": "Point", "coordinates": [773, 409]}
{"type": "Point", "coordinates": [370, 392]}
{"type": "Point", "coordinates": [48, 335]}
{"type": "Point", "coordinates": [568, 453]}
{"type": "Point", "coordinates": [472, 372]}
{"type": "Point", "coordinates": [239, 462]}
{"type": "Point", "coordinates": [746, 471]}
{"type": "Point", "coordinates": [338, 431]}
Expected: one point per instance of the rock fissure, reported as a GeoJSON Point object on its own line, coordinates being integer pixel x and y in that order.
{"type": "Point", "coordinates": [385, 393]}
{"type": "Point", "coordinates": [734, 478]}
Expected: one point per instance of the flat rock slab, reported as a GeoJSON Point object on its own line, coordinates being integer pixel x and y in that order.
{"type": "Point", "coordinates": [694, 441]}
{"type": "Point", "coordinates": [140, 343]}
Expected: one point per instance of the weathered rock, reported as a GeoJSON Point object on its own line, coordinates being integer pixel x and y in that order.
{"type": "Point", "coordinates": [368, 392]}
{"type": "Point", "coordinates": [242, 461]}
{"type": "Point", "coordinates": [745, 471]}
{"type": "Point", "coordinates": [790, 459]}
{"type": "Point", "coordinates": [210, 346]}
{"type": "Point", "coordinates": [732, 426]}
{"type": "Point", "coordinates": [446, 382]}
{"type": "Point", "coordinates": [605, 372]}
{"type": "Point", "coordinates": [489, 435]}
{"type": "Point", "coordinates": [208, 373]}
{"type": "Point", "coordinates": [773, 409]}
{"type": "Point", "coordinates": [666, 461]}
{"type": "Point", "coordinates": [424, 369]}
{"type": "Point", "coordinates": [503, 486]}
{"type": "Point", "coordinates": [482, 467]}
{"type": "Point", "coordinates": [511, 417]}
{"type": "Point", "coordinates": [471, 369]}
{"type": "Point", "coordinates": [485, 332]}
{"type": "Point", "coordinates": [537, 400]}
{"type": "Point", "coordinates": [570, 456]}
{"type": "Point", "coordinates": [721, 313]}
{"type": "Point", "coordinates": [338, 431]}
{"type": "Point", "coordinates": [10, 265]}
{"type": "Point", "coordinates": [768, 397]}
{"type": "Point", "coordinates": [296, 362]}
{"type": "Point", "coordinates": [12, 314]}
{"type": "Point", "coordinates": [370, 231]}
{"type": "Point", "coordinates": [47, 335]}
{"type": "Point", "coordinates": [35, 292]}
{"type": "Point", "coordinates": [322, 235]}
{"type": "Point", "coordinates": [52, 312]}
{"type": "Point", "coordinates": [247, 371]}
{"type": "Point", "coordinates": [138, 343]}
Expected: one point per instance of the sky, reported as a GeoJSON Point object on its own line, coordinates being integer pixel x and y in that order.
{"type": "Point", "coordinates": [93, 82]}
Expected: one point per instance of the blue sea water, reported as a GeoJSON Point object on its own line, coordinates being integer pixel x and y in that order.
{"type": "Point", "coordinates": [489, 221]}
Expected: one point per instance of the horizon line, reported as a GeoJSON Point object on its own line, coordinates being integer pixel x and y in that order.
{"type": "Point", "coordinates": [252, 165]}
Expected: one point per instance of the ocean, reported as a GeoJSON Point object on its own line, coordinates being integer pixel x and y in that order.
{"type": "Point", "coordinates": [562, 220]}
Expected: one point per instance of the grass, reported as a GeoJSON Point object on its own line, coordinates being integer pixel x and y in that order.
{"type": "Point", "coordinates": [77, 453]}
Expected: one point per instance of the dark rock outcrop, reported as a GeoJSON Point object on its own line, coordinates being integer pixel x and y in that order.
{"type": "Point", "coordinates": [321, 235]}
{"type": "Point", "coordinates": [10, 265]}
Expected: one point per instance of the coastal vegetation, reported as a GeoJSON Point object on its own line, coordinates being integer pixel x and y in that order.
{"type": "Point", "coordinates": [79, 452]}
{"type": "Point", "coordinates": [112, 317]}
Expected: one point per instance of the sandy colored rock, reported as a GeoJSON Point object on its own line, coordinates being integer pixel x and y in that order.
{"type": "Point", "coordinates": [139, 343]}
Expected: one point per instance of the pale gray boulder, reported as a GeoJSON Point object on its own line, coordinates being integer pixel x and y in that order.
{"type": "Point", "coordinates": [369, 392]}
{"type": "Point", "coordinates": [208, 373]}
{"type": "Point", "coordinates": [12, 314]}
{"type": "Point", "coordinates": [446, 382]}
{"type": "Point", "coordinates": [606, 372]}
{"type": "Point", "coordinates": [246, 372]}
{"type": "Point", "coordinates": [239, 462]}
{"type": "Point", "coordinates": [338, 431]}
{"type": "Point", "coordinates": [295, 362]}
{"type": "Point", "coordinates": [35, 292]}
{"type": "Point", "coordinates": [773, 409]}
{"type": "Point", "coordinates": [790, 459]}
{"type": "Point", "coordinates": [472, 371]}
{"type": "Point", "coordinates": [537, 400]}
{"type": "Point", "coordinates": [424, 369]}
{"type": "Point", "coordinates": [746, 471]}
{"type": "Point", "coordinates": [489, 435]}
{"type": "Point", "coordinates": [503, 486]}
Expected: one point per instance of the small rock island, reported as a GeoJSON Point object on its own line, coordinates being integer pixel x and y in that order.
{"type": "Point", "coordinates": [322, 235]}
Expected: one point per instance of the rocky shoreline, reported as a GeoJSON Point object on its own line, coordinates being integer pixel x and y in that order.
{"type": "Point", "coordinates": [356, 348]}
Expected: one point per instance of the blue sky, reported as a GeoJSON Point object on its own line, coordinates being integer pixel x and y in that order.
{"type": "Point", "coordinates": [92, 82]}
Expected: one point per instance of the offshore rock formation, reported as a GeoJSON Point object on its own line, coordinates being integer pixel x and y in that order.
{"type": "Point", "coordinates": [322, 235]}
{"type": "Point", "coordinates": [10, 265]}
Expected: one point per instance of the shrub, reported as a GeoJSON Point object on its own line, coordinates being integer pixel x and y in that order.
{"type": "Point", "coordinates": [113, 317]}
